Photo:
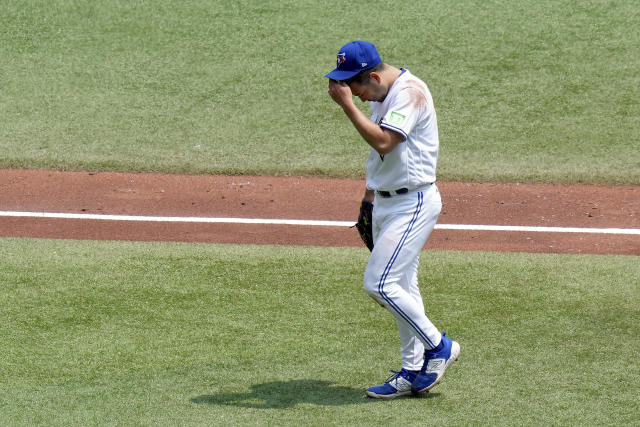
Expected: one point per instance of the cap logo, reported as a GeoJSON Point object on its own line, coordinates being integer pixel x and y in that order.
{"type": "Point", "coordinates": [342, 58]}
{"type": "Point", "coordinates": [364, 64]}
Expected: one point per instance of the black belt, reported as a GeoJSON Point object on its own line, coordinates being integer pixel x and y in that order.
{"type": "Point", "coordinates": [385, 194]}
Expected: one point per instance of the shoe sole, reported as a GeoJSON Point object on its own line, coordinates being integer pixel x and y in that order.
{"type": "Point", "coordinates": [387, 396]}
{"type": "Point", "coordinates": [455, 353]}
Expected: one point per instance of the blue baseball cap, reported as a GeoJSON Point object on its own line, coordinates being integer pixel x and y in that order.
{"type": "Point", "coordinates": [354, 57]}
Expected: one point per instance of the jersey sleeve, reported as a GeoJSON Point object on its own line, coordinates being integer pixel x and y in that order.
{"type": "Point", "coordinates": [402, 114]}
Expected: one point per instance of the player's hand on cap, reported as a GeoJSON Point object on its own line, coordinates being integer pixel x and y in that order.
{"type": "Point", "coordinates": [340, 92]}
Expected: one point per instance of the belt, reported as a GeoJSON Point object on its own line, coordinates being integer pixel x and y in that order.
{"type": "Point", "coordinates": [386, 194]}
{"type": "Point", "coordinates": [397, 192]}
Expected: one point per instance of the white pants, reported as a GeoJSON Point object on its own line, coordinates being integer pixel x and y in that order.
{"type": "Point", "coordinates": [401, 226]}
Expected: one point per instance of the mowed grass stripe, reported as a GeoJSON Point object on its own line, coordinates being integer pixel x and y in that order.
{"type": "Point", "coordinates": [139, 333]}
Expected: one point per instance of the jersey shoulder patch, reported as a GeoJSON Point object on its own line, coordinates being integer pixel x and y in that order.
{"type": "Point", "coordinates": [397, 119]}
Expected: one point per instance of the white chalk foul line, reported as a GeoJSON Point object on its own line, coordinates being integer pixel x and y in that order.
{"type": "Point", "coordinates": [539, 229]}
{"type": "Point", "coordinates": [205, 220]}
{"type": "Point", "coordinates": [193, 219]}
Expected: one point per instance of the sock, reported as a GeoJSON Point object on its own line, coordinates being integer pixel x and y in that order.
{"type": "Point", "coordinates": [436, 348]}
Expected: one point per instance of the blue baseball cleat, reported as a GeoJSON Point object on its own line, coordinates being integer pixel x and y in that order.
{"type": "Point", "coordinates": [435, 364]}
{"type": "Point", "coordinates": [398, 384]}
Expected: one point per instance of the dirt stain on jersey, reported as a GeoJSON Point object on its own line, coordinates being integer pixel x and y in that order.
{"type": "Point", "coordinates": [418, 95]}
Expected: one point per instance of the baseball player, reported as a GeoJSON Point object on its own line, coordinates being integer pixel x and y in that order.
{"type": "Point", "coordinates": [402, 133]}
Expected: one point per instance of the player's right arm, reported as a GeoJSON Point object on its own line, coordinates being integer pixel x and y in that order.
{"type": "Point", "coordinates": [381, 139]}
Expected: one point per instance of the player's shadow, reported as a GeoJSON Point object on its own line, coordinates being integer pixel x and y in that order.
{"type": "Point", "coordinates": [285, 394]}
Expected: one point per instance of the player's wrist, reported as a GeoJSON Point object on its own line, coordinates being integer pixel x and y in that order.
{"type": "Point", "coordinates": [369, 195]}
{"type": "Point", "coordinates": [348, 106]}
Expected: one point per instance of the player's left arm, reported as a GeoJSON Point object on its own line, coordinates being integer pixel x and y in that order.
{"type": "Point", "coordinates": [369, 195]}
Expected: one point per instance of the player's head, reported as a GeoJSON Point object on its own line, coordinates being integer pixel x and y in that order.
{"type": "Point", "coordinates": [354, 58]}
{"type": "Point", "coordinates": [363, 77]}
{"type": "Point", "coordinates": [368, 85]}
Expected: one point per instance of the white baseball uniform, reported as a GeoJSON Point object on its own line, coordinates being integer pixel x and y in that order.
{"type": "Point", "coordinates": [406, 208]}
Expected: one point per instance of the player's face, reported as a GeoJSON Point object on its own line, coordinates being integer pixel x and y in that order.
{"type": "Point", "coordinates": [370, 91]}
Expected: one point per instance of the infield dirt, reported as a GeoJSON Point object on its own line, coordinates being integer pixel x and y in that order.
{"type": "Point", "coordinates": [550, 205]}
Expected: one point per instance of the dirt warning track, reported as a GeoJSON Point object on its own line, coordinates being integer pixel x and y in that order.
{"type": "Point", "coordinates": [583, 218]}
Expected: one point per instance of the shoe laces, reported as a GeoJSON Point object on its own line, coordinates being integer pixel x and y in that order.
{"type": "Point", "coordinates": [395, 374]}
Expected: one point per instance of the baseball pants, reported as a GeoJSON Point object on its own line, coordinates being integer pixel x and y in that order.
{"type": "Point", "coordinates": [401, 227]}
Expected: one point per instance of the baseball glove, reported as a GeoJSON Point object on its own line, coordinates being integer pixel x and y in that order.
{"type": "Point", "coordinates": [364, 223]}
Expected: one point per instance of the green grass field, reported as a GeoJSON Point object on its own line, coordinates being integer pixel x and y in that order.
{"type": "Point", "coordinates": [543, 91]}
{"type": "Point", "coordinates": [107, 333]}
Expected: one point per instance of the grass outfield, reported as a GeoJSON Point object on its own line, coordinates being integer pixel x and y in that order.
{"type": "Point", "coordinates": [106, 333]}
{"type": "Point", "coordinates": [525, 91]}
{"type": "Point", "coordinates": [97, 333]}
